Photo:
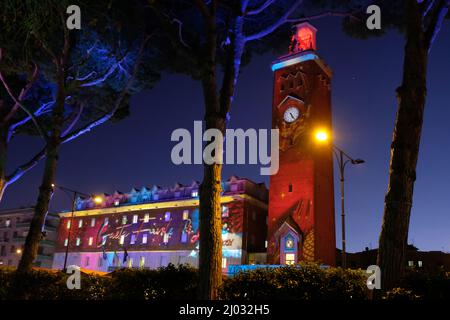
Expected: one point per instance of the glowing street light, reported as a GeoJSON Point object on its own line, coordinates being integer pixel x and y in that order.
{"type": "Point", "coordinates": [19, 251]}
{"type": "Point", "coordinates": [342, 158]}
{"type": "Point", "coordinates": [321, 135]}
{"type": "Point", "coordinates": [98, 200]}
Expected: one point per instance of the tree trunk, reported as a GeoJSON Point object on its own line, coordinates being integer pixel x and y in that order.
{"type": "Point", "coordinates": [210, 262]}
{"type": "Point", "coordinates": [45, 190]}
{"type": "Point", "coordinates": [210, 253]}
{"type": "Point", "coordinates": [404, 153]}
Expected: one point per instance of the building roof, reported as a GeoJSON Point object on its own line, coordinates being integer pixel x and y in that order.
{"type": "Point", "coordinates": [178, 191]}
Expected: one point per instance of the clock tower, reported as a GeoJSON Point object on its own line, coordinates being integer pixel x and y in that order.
{"type": "Point", "coordinates": [301, 199]}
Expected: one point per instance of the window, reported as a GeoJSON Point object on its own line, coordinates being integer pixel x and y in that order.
{"type": "Point", "coordinates": [69, 223]}
{"type": "Point", "coordinates": [265, 244]}
{"type": "Point", "coordinates": [224, 211]}
{"type": "Point", "coordinates": [144, 238]}
{"type": "Point", "coordinates": [80, 223]}
{"type": "Point", "coordinates": [116, 202]}
{"type": "Point", "coordinates": [184, 237]}
{"type": "Point", "coordinates": [133, 239]}
{"type": "Point", "coordinates": [224, 263]}
{"type": "Point", "coordinates": [135, 218]}
{"type": "Point", "coordinates": [233, 187]}
{"type": "Point", "coordinates": [130, 262]}
{"type": "Point", "coordinates": [91, 240]}
{"type": "Point", "coordinates": [419, 264]}
{"type": "Point", "coordinates": [66, 242]}
{"type": "Point", "coordinates": [166, 238]}
{"type": "Point", "coordinates": [13, 249]}
{"type": "Point", "coordinates": [142, 262]}
{"type": "Point", "coordinates": [93, 222]}
{"type": "Point", "coordinates": [87, 261]}
{"type": "Point", "coordinates": [194, 194]}
{"type": "Point", "coordinates": [3, 251]}
{"type": "Point", "coordinates": [146, 218]}
{"type": "Point", "coordinates": [290, 258]}
{"type": "Point", "coordinates": [185, 214]}
{"type": "Point", "coordinates": [167, 216]}
{"type": "Point", "coordinates": [124, 219]}
{"type": "Point", "coordinates": [290, 187]}
{"type": "Point", "coordinates": [122, 239]}
{"type": "Point", "coordinates": [410, 263]}
{"type": "Point", "coordinates": [7, 223]}
{"type": "Point", "coordinates": [78, 242]}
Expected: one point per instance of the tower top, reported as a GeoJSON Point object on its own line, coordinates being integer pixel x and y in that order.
{"type": "Point", "coordinates": [304, 38]}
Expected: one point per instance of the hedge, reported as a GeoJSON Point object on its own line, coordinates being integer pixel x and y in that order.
{"type": "Point", "coordinates": [306, 281]}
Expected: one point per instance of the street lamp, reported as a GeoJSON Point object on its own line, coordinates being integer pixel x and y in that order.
{"type": "Point", "coordinates": [343, 159]}
{"type": "Point", "coordinates": [75, 193]}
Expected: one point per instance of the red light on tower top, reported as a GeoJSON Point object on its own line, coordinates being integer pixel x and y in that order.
{"type": "Point", "coordinates": [304, 38]}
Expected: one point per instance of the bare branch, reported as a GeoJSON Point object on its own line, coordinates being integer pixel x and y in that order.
{"type": "Point", "coordinates": [428, 8]}
{"type": "Point", "coordinates": [21, 170]}
{"type": "Point", "coordinates": [436, 23]}
{"type": "Point", "coordinates": [75, 119]}
{"type": "Point", "coordinates": [324, 15]}
{"type": "Point", "coordinates": [282, 20]}
{"type": "Point", "coordinates": [17, 102]}
{"type": "Point", "coordinates": [22, 94]}
{"type": "Point", "coordinates": [260, 9]}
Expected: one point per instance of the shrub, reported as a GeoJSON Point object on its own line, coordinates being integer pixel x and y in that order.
{"type": "Point", "coordinates": [308, 281]}
{"type": "Point", "coordinates": [401, 294]}
{"type": "Point", "coordinates": [169, 282]}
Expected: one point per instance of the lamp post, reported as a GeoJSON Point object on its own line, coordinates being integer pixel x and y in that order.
{"type": "Point", "coordinates": [75, 194]}
{"type": "Point", "coordinates": [342, 159]}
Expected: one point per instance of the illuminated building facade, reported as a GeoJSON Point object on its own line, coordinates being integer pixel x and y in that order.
{"type": "Point", "coordinates": [152, 227]}
{"type": "Point", "coordinates": [301, 200]}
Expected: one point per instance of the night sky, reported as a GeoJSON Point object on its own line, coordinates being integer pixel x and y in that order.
{"type": "Point", "coordinates": [136, 151]}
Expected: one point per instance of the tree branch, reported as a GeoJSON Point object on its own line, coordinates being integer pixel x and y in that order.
{"type": "Point", "coordinates": [283, 19]}
{"type": "Point", "coordinates": [436, 23]}
{"type": "Point", "coordinates": [17, 102]}
{"type": "Point", "coordinates": [260, 9]}
{"type": "Point", "coordinates": [22, 94]}
{"type": "Point", "coordinates": [74, 120]}
{"type": "Point", "coordinates": [88, 127]}
{"type": "Point", "coordinates": [324, 15]}
{"type": "Point", "coordinates": [21, 170]}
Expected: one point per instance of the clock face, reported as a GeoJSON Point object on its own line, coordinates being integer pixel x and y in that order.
{"type": "Point", "coordinates": [291, 114]}
{"type": "Point", "coordinates": [289, 243]}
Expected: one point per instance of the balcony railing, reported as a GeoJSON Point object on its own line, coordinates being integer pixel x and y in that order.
{"type": "Point", "coordinates": [45, 243]}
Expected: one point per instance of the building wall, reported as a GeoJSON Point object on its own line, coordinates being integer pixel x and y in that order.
{"type": "Point", "coordinates": [302, 191]}
{"type": "Point", "coordinates": [14, 226]}
{"type": "Point", "coordinates": [161, 231]}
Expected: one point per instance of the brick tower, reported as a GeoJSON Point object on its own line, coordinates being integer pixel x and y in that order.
{"type": "Point", "coordinates": [301, 199]}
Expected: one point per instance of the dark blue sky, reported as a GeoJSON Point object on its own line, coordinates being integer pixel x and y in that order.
{"type": "Point", "coordinates": [136, 151]}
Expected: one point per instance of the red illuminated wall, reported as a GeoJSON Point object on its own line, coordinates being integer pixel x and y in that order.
{"type": "Point", "coordinates": [301, 193]}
